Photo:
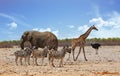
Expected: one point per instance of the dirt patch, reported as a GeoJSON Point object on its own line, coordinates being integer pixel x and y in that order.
{"type": "Point", "coordinates": [106, 63]}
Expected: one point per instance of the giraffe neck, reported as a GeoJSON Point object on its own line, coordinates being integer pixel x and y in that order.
{"type": "Point", "coordinates": [86, 34]}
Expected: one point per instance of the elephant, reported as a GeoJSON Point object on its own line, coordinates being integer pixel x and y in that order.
{"type": "Point", "coordinates": [39, 39]}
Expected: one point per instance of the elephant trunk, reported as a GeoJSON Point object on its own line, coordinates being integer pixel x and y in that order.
{"type": "Point", "coordinates": [22, 43]}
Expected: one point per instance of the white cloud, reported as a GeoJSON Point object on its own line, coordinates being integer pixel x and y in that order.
{"type": "Point", "coordinates": [35, 29]}
{"type": "Point", "coordinates": [109, 27]}
{"type": "Point", "coordinates": [71, 26]}
{"type": "Point", "coordinates": [7, 16]}
{"type": "Point", "coordinates": [47, 29]}
{"type": "Point", "coordinates": [113, 21]}
{"type": "Point", "coordinates": [44, 29]}
{"type": "Point", "coordinates": [13, 25]}
{"type": "Point", "coordinates": [83, 28]}
{"type": "Point", "coordinates": [14, 18]}
{"type": "Point", "coordinates": [56, 32]}
{"type": "Point", "coordinates": [99, 21]}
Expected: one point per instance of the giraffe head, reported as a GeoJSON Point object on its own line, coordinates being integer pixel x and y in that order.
{"type": "Point", "coordinates": [93, 27]}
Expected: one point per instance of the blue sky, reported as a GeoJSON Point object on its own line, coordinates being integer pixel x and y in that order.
{"type": "Point", "coordinates": [65, 18]}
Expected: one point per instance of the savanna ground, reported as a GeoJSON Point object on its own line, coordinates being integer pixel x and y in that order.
{"type": "Point", "coordinates": [106, 63]}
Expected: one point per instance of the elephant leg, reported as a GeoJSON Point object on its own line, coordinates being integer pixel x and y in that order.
{"type": "Point", "coordinates": [34, 44]}
{"type": "Point", "coordinates": [36, 47]}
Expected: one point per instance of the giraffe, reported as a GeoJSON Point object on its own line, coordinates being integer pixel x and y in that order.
{"type": "Point", "coordinates": [80, 41]}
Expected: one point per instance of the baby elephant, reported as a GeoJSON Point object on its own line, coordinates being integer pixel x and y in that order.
{"type": "Point", "coordinates": [23, 54]}
{"type": "Point", "coordinates": [55, 54]}
{"type": "Point", "coordinates": [39, 53]}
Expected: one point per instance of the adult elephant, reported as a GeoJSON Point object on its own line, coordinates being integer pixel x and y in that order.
{"type": "Point", "coordinates": [39, 39]}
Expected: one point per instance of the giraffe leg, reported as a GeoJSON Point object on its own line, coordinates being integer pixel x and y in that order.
{"type": "Point", "coordinates": [73, 54]}
{"type": "Point", "coordinates": [84, 54]}
{"type": "Point", "coordinates": [78, 53]}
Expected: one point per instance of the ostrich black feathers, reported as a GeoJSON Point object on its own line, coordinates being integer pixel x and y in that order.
{"type": "Point", "coordinates": [95, 45]}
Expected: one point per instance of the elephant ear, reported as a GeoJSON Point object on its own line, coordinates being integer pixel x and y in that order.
{"type": "Point", "coordinates": [25, 34]}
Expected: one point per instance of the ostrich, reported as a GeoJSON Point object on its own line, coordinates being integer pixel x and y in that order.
{"type": "Point", "coordinates": [96, 46]}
